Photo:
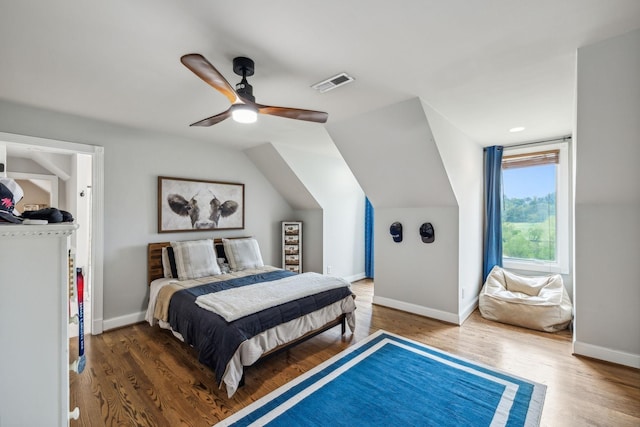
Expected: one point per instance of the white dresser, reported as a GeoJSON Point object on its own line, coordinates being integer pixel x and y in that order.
{"type": "Point", "coordinates": [34, 359]}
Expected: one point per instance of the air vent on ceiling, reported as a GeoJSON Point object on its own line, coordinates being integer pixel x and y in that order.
{"type": "Point", "coordinates": [333, 82]}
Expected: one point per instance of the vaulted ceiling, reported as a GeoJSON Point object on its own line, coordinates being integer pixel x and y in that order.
{"type": "Point", "coordinates": [487, 66]}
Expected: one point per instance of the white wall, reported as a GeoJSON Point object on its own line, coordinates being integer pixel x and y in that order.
{"type": "Point", "coordinates": [312, 238]}
{"type": "Point", "coordinates": [308, 171]}
{"type": "Point", "coordinates": [133, 160]}
{"type": "Point", "coordinates": [607, 195]}
{"type": "Point", "coordinates": [270, 162]}
{"type": "Point", "coordinates": [306, 208]}
{"type": "Point", "coordinates": [393, 154]}
{"type": "Point", "coordinates": [463, 161]}
{"type": "Point", "coordinates": [414, 276]}
{"type": "Point", "coordinates": [332, 184]}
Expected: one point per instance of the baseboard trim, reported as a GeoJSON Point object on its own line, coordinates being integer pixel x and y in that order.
{"type": "Point", "coordinates": [418, 309]}
{"type": "Point", "coordinates": [606, 354]}
{"type": "Point", "coordinates": [97, 326]}
{"type": "Point", "coordinates": [355, 277]}
{"type": "Point", "coordinates": [464, 315]}
{"type": "Point", "coordinates": [118, 322]}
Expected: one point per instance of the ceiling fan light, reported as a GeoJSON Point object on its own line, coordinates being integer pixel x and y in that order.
{"type": "Point", "coordinates": [244, 114]}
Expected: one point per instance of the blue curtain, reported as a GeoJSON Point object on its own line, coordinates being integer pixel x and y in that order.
{"type": "Point", "coordinates": [492, 211]}
{"type": "Point", "coordinates": [368, 238]}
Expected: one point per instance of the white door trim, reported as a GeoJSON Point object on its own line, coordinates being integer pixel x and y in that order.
{"type": "Point", "coordinates": [97, 241]}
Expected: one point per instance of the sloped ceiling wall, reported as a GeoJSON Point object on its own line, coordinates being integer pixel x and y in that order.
{"type": "Point", "coordinates": [332, 183]}
{"type": "Point", "coordinates": [415, 166]}
{"type": "Point", "coordinates": [324, 195]}
{"type": "Point", "coordinates": [267, 158]}
{"type": "Point", "coordinates": [463, 160]}
{"type": "Point", "coordinates": [392, 153]}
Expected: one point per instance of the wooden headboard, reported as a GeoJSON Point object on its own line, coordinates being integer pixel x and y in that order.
{"type": "Point", "coordinates": [154, 261]}
{"type": "Point", "coordinates": [154, 258]}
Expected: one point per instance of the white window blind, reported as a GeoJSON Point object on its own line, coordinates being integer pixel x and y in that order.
{"type": "Point", "coordinates": [531, 159]}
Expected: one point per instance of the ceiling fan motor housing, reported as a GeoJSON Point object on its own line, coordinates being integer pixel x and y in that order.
{"type": "Point", "coordinates": [245, 90]}
{"type": "Point", "coordinates": [243, 107]}
{"type": "Point", "coordinates": [244, 67]}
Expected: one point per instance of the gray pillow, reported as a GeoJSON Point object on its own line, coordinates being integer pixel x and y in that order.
{"type": "Point", "coordinates": [195, 258]}
{"type": "Point", "coordinates": [242, 253]}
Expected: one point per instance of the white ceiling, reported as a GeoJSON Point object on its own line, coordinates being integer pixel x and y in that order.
{"type": "Point", "coordinates": [486, 65]}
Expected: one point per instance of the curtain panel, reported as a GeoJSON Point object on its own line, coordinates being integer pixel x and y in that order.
{"type": "Point", "coordinates": [493, 208]}
{"type": "Point", "coordinates": [368, 238]}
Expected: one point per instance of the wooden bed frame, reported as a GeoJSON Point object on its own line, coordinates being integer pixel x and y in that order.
{"type": "Point", "coordinates": [154, 258]}
{"type": "Point", "coordinates": [155, 271]}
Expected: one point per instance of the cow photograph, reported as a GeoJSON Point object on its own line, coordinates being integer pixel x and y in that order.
{"type": "Point", "coordinates": [196, 205]}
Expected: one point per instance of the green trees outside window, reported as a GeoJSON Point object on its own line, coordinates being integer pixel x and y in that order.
{"type": "Point", "coordinates": [529, 228]}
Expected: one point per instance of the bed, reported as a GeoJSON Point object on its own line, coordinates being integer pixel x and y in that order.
{"type": "Point", "coordinates": [217, 296]}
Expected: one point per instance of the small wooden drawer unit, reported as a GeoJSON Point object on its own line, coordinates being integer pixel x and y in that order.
{"type": "Point", "coordinates": [292, 246]}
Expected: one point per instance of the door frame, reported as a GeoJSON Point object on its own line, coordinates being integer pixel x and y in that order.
{"type": "Point", "coordinates": [97, 210]}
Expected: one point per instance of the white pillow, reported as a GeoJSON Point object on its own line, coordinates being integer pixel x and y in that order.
{"type": "Point", "coordinates": [242, 253]}
{"type": "Point", "coordinates": [195, 258]}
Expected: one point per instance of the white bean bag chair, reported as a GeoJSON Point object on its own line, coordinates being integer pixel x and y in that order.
{"type": "Point", "coordinates": [540, 303]}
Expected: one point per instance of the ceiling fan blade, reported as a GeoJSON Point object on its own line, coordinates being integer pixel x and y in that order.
{"type": "Point", "coordinates": [207, 72]}
{"type": "Point", "coordinates": [292, 113]}
{"type": "Point", "coordinates": [210, 121]}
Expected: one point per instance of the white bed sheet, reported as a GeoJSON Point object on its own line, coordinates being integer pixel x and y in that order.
{"type": "Point", "coordinates": [234, 303]}
{"type": "Point", "coordinates": [251, 350]}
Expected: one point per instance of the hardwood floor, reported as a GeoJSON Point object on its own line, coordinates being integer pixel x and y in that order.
{"type": "Point", "coordinates": [143, 376]}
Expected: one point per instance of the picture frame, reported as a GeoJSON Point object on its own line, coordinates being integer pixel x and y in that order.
{"type": "Point", "coordinates": [198, 205]}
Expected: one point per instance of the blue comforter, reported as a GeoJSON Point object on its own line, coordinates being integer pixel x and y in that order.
{"type": "Point", "coordinates": [215, 339]}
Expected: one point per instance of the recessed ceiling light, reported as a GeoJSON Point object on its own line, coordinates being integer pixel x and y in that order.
{"type": "Point", "coordinates": [516, 129]}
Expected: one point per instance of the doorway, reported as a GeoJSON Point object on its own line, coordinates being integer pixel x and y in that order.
{"type": "Point", "coordinates": [41, 191]}
{"type": "Point", "coordinates": [72, 175]}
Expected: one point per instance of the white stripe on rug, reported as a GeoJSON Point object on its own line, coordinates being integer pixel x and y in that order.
{"type": "Point", "coordinates": [500, 416]}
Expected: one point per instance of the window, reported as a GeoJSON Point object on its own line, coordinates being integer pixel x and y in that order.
{"type": "Point", "coordinates": [535, 208]}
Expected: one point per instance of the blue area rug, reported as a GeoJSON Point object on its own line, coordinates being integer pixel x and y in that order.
{"type": "Point", "coordinates": [388, 380]}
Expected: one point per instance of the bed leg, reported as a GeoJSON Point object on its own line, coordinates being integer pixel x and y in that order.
{"type": "Point", "coordinates": [344, 324]}
{"type": "Point", "coordinates": [241, 383]}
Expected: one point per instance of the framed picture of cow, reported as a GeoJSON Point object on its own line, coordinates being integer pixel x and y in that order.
{"type": "Point", "coordinates": [196, 205]}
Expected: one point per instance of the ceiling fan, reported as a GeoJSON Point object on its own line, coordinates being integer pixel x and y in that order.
{"type": "Point", "coordinates": [243, 108]}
